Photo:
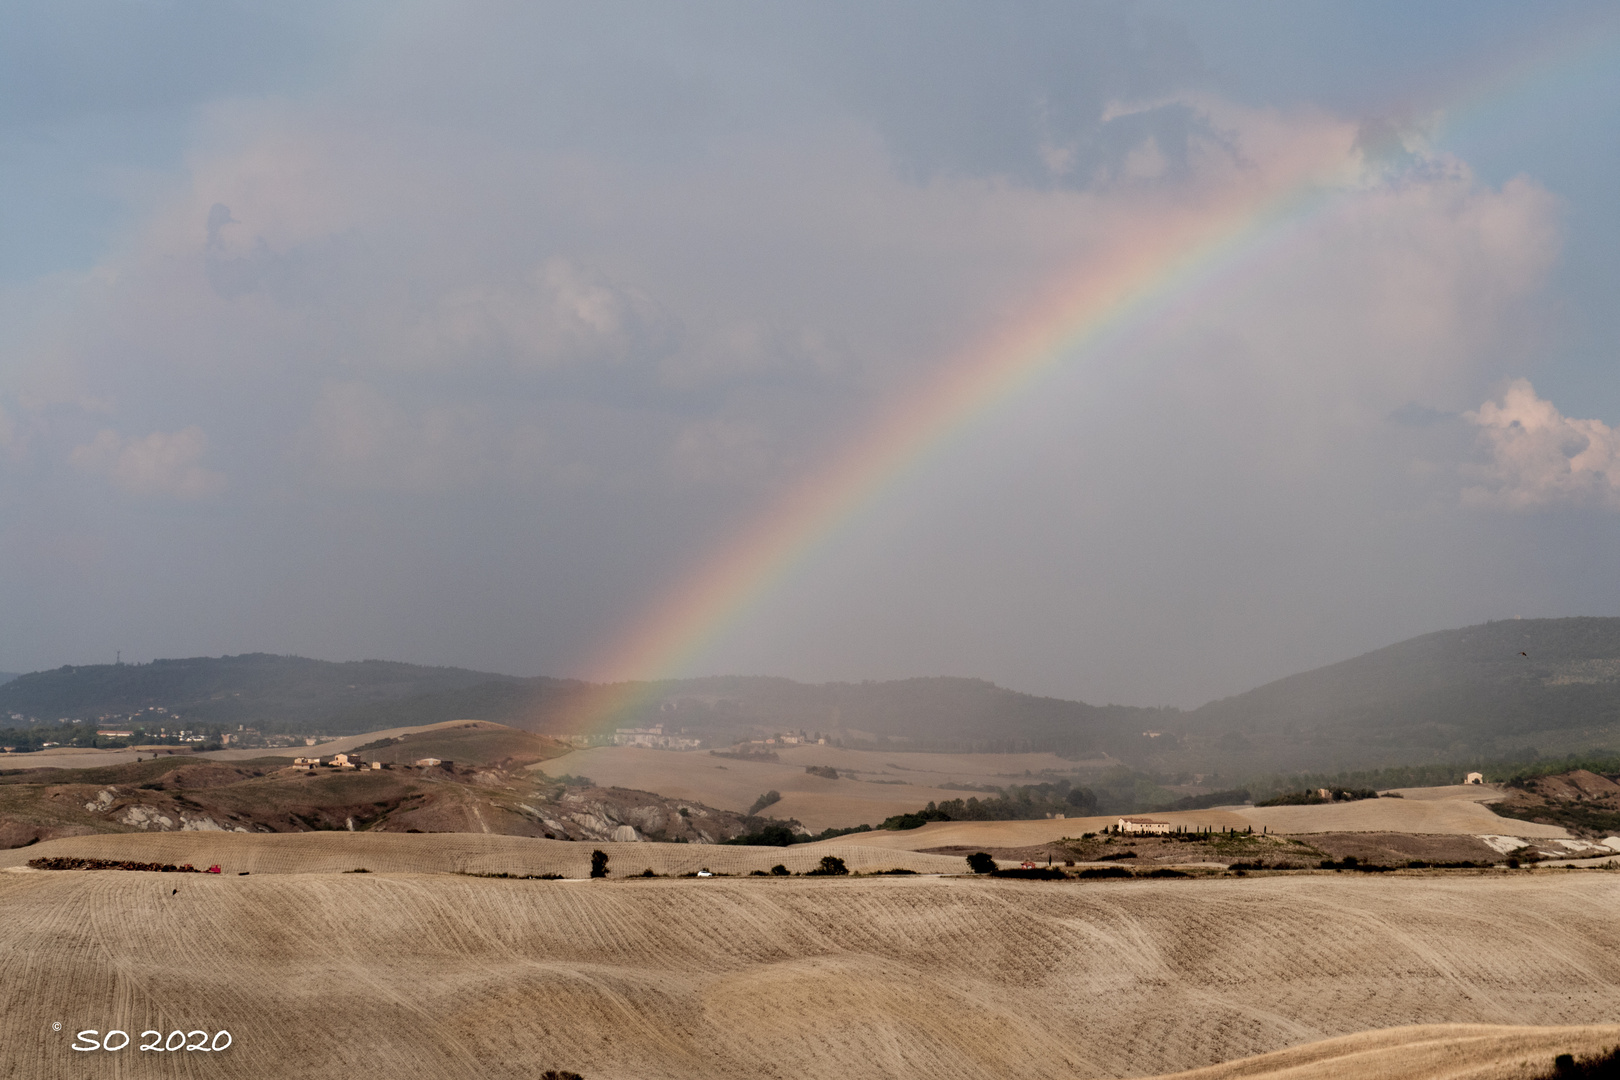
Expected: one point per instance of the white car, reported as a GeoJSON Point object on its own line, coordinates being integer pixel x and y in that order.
{"type": "Point", "coordinates": [704, 873]}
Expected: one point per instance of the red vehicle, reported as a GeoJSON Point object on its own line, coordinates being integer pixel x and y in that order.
{"type": "Point", "coordinates": [212, 869]}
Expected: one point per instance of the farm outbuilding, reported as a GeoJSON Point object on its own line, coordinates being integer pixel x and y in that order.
{"type": "Point", "coordinates": [1474, 778]}
{"type": "Point", "coordinates": [1142, 825]}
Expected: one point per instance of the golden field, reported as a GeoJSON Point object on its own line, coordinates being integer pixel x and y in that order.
{"type": "Point", "coordinates": [413, 974]}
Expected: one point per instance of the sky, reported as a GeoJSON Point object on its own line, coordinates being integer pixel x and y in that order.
{"type": "Point", "coordinates": [1134, 353]}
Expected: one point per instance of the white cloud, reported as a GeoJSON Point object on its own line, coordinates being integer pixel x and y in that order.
{"type": "Point", "coordinates": [164, 464]}
{"type": "Point", "coordinates": [1541, 458]}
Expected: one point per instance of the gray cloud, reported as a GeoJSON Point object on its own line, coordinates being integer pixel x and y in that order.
{"type": "Point", "coordinates": [502, 329]}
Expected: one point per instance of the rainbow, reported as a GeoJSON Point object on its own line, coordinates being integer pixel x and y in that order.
{"type": "Point", "coordinates": [1135, 280]}
{"type": "Point", "coordinates": [1119, 284]}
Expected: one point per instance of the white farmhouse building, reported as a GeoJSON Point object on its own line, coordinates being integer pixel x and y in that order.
{"type": "Point", "coordinates": [1142, 825]}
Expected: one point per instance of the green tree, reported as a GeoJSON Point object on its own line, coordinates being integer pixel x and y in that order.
{"type": "Point", "coordinates": [599, 861]}
{"type": "Point", "coordinates": [981, 862]}
{"type": "Point", "coordinates": [832, 864]}
{"type": "Point", "coordinates": [763, 801]}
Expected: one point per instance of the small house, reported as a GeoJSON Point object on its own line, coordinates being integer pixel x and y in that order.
{"type": "Point", "coordinates": [1143, 825]}
{"type": "Point", "coordinates": [311, 761]}
{"type": "Point", "coordinates": [1474, 778]}
{"type": "Point", "coordinates": [427, 762]}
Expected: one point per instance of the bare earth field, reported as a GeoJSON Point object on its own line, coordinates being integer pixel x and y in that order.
{"type": "Point", "coordinates": [436, 975]}
{"type": "Point", "coordinates": [461, 853]}
{"type": "Point", "coordinates": [731, 784]}
{"type": "Point", "coordinates": [1457, 809]}
{"type": "Point", "coordinates": [933, 770]}
{"type": "Point", "coordinates": [84, 758]}
{"type": "Point", "coordinates": [1445, 811]}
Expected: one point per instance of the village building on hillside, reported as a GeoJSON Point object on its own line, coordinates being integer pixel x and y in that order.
{"type": "Point", "coordinates": [427, 762]}
{"type": "Point", "coordinates": [311, 761]}
{"type": "Point", "coordinates": [1474, 778]}
{"type": "Point", "coordinates": [1143, 825]}
{"type": "Point", "coordinates": [344, 761]}
{"type": "Point", "coordinates": [654, 738]}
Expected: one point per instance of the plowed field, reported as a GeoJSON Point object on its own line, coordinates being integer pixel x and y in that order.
{"type": "Point", "coordinates": [461, 853]}
{"type": "Point", "coordinates": [420, 975]}
{"type": "Point", "coordinates": [731, 784]}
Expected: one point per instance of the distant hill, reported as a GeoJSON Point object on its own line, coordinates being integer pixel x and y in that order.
{"type": "Point", "coordinates": [282, 692]}
{"type": "Point", "coordinates": [929, 713]}
{"type": "Point", "coordinates": [1503, 689]}
{"type": "Point", "coordinates": [289, 693]}
{"type": "Point", "coordinates": [7, 676]}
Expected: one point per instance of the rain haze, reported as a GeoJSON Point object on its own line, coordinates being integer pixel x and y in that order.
{"type": "Point", "coordinates": [473, 333]}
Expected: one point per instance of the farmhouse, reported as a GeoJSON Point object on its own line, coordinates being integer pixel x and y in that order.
{"type": "Point", "coordinates": [1142, 825]}
{"type": "Point", "coordinates": [306, 761]}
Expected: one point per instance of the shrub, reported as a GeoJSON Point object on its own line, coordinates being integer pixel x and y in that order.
{"type": "Point", "coordinates": [599, 861]}
{"type": "Point", "coordinates": [1165, 871]}
{"type": "Point", "coordinates": [831, 865]}
{"type": "Point", "coordinates": [780, 871]}
{"type": "Point", "coordinates": [826, 771]}
{"type": "Point", "coordinates": [1036, 873]}
{"type": "Point", "coordinates": [1606, 1066]}
{"type": "Point", "coordinates": [560, 1074]}
{"type": "Point", "coordinates": [1104, 872]}
{"type": "Point", "coordinates": [770, 834]}
{"type": "Point", "coordinates": [981, 862]}
{"type": "Point", "coordinates": [767, 799]}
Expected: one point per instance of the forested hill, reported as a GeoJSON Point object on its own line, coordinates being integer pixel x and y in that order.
{"type": "Point", "coordinates": [1497, 689]}
{"type": "Point", "coordinates": [939, 713]}
{"type": "Point", "coordinates": [288, 692]}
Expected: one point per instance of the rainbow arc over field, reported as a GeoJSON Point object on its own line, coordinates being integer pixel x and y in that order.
{"type": "Point", "coordinates": [1188, 256]}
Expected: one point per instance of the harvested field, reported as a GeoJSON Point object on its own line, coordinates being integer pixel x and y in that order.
{"type": "Point", "coordinates": [72, 757]}
{"type": "Point", "coordinates": [459, 853]}
{"type": "Point", "coordinates": [1019, 834]}
{"type": "Point", "coordinates": [417, 976]}
{"type": "Point", "coordinates": [934, 770]}
{"type": "Point", "coordinates": [731, 784]}
{"type": "Point", "coordinates": [1456, 809]}
{"type": "Point", "coordinates": [1454, 1051]}
{"type": "Point", "coordinates": [1394, 849]}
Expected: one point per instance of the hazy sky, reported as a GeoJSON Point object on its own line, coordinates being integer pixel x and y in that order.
{"type": "Point", "coordinates": [462, 332]}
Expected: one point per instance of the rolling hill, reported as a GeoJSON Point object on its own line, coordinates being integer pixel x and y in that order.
{"type": "Point", "coordinates": [1500, 691]}
{"type": "Point", "coordinates": [430, 975]}
{"type": "Point", "coordinates": [288, 693]}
